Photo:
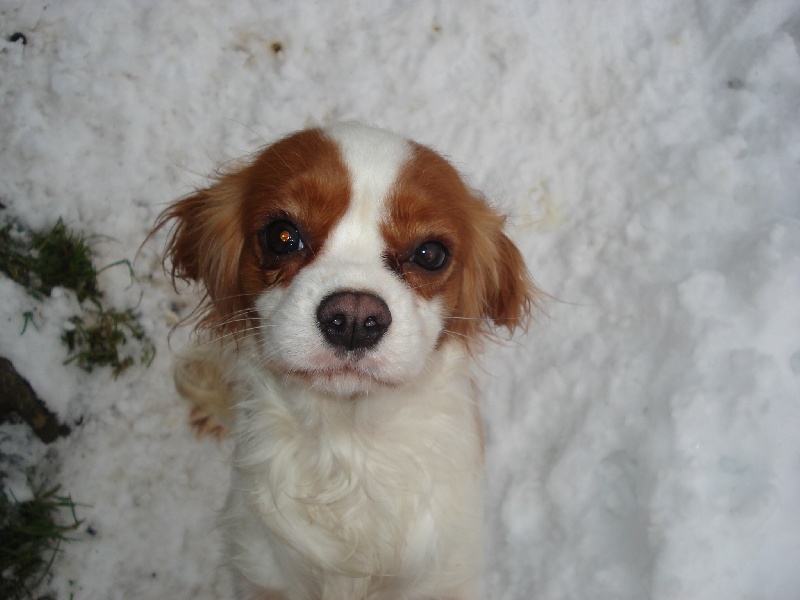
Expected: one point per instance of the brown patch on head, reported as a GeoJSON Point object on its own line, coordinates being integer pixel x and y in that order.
{"type": "Point", "coordinates": [214, 241]}
{"type": "Point", "coordinates": [301, 179]}
{"type": "Point", "coordinates": [485, 279]}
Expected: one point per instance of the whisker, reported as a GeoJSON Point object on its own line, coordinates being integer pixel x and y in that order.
{"type": "Point", "coordinates": [237, 317]}
{"type": "Point", "coordinates": [420, 286]}
{"type": "Point", "coordinates": [225, 337]}
{"type": "Point", "coordinates": [234, 296]}
{"type": "Point", "coordinates": [457, 335]}
{"type": "Point", "coordinates": [253, 131]}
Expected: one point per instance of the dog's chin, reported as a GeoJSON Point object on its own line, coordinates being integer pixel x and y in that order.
{"type": "Point", "coordinates": [343, 382]}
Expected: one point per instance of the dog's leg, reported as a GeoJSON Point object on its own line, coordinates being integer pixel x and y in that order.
{"type": "Point", "coordinates": [200, 377]}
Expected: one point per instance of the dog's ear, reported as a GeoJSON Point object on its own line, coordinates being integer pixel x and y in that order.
{"type": "Point", "coordinates": [496, 286]}
{"type": "Point", "coordinates": [513, 295]}
{"type": "Point", "coordinates": [205, 244]}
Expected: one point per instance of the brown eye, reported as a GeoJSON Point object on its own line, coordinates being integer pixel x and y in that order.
{"type": "Point", "coordinates": [281, 238]}
{"type": "Point", "coordinates": [431, 256]}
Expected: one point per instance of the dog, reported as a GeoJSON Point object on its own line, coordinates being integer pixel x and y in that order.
{"type": "Point", "coordinates": [350, 276]}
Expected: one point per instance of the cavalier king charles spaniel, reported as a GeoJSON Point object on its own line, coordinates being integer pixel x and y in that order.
{"type": "Point", "coordinates": [349, 276]}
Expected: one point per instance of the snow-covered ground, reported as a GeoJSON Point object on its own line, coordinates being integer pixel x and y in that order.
{"type": "Point", "coordinates": [643, 437]}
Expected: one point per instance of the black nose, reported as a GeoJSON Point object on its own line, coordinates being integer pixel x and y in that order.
{"type": "Point", "coordinates": [353, 320]}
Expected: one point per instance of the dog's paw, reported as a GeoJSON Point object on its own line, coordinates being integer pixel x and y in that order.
{"type": "Point", "coordinates": [200, 378]}
{"type": "Point", "coordinates": [204, 422]}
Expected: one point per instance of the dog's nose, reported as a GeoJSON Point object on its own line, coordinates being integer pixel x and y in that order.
{"type": "Point", "coordinates": [353, 320]}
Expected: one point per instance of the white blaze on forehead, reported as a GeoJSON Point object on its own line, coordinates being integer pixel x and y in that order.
{"type": "Point", "coordinates": [374, 159]}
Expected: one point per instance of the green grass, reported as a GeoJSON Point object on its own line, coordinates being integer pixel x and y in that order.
{"type": "Point", "coordinates": [98, 336]}
{"type": "Point", "coordinates": [30, 538]}
{"type": "Point", "coordinates": [61, 257]}
{"type": "Point", "coordinates": [32, 532]}
{"type": "Point", "coordinates": [42, 261]}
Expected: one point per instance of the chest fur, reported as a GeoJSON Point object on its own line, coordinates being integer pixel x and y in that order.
{"type": "Point", "coordinates": [383, 489]}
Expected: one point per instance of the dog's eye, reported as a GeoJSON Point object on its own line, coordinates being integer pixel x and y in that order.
{"type": "Point", "coordinates": [431, 256]}
{"type": "Point", "coordinates": [281, 238]}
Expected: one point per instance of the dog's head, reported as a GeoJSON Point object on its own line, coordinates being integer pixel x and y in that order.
{"type": "Point", "coordinates": [353, 254]}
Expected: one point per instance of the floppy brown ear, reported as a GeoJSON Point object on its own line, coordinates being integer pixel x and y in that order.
{"type": "Point", "coordinates": [205, 245]}
{"type": "Point", "coordinates": [511, 299]}
{"type": "Point", "coordinates": [496, 286]}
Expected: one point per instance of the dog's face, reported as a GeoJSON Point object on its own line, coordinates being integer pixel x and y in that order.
{"type": "Point", "coordinates": [353, 254]}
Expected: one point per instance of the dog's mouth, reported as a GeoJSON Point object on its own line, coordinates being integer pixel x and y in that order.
{"type": "Point", "coordinates": [347, 378]}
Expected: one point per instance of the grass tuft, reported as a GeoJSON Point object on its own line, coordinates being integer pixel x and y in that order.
{"type": "Point", "coordinates": [30, 538]}
{"type": "Point", "coordinates": [98, 335]}
{"type": "Point", "coordinates": [61, 257]}
{"type": "Point", "coordinates": [43, 261]}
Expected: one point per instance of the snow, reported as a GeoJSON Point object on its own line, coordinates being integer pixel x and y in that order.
{"type": "Point", "coordinates": [643, 438]}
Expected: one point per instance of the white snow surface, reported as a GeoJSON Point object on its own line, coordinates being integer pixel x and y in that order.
{"type": "Point", "coordinates": [643, 438]}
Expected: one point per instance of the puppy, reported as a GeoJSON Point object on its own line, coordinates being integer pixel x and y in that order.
{"type": "Point", "coordinates": [349, 275]}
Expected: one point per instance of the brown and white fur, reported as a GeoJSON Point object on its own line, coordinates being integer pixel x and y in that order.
{"type": "Point", "coordinates": [350, 275]}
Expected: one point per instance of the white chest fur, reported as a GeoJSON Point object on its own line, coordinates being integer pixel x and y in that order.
{"type": "Point", "coordinates": [359, 498]}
